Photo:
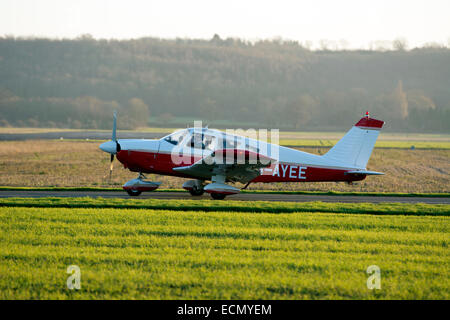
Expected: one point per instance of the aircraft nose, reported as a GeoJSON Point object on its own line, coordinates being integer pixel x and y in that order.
{"type": "Point", "coordinates": [109, 147]}
{"type": "Point", "coordinates": [154, 145]}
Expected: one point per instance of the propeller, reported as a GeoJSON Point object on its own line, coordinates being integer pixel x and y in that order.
{"type": "Point", "coordinates": [112, 146]}
{"type": "Point", "coordinates": [111, 166]}
{"type": "Point", "coordinates": [114, 139]}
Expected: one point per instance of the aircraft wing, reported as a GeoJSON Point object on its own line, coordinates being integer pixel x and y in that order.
{"type": "Point", "coordinates": [235, 164]}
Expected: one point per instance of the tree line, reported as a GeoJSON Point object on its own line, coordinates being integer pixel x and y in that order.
{"type": "Point", "coordinates": [224, 82]}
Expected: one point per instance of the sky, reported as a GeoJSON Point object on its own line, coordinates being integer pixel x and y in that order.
{"type": "Point", "coordinates": [347, 23]}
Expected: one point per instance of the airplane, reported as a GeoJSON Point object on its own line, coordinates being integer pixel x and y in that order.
{"type": "Point", "coordinates": [207, 155]}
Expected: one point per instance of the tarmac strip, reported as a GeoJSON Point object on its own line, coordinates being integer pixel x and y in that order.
{"type": "Point", "coordinates": [240, 197]}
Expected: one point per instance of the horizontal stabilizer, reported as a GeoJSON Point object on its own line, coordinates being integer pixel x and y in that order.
{"type": "Point", "coordinates": [365, 172]}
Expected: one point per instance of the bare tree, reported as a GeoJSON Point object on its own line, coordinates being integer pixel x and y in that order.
{"type": "Point", "coordinates": [400, 44]}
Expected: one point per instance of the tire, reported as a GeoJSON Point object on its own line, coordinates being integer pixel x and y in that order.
{"type": "Point", "coordinates": [218, 196]}
{"type": "Point", "coordinates": [134, 193]}
{"type": "Point", "coordinates": [196, 192]}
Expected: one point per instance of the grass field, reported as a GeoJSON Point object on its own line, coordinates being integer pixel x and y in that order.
{"type": "Point", "coordinates": [231, 206]}
{"type": "Point", "coordinates": [315, 135]}
{"type": "Point", "coordinates": [266, 191]}
{"type": "Point", "coordinates": [320, 143]}
{"type": "Point", "coordinates": [204, 249]}
{"type": "Point", "coordinates": [47, 163]}
{"type": "Point", "coordinates": [407, 144]}
{"type": "Point", "coordinates": [197, 254]}
{"type": "Point", "coordinates": [384, 136]}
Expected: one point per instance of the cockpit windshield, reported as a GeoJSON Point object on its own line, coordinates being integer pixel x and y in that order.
{"type": "Point", "coordinates": [177, 137]}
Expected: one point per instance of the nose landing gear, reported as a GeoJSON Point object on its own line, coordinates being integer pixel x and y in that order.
{"type": "Point", "coordinates": [133, 193]}
{"type": "Point", "coordinates": [135, 187]}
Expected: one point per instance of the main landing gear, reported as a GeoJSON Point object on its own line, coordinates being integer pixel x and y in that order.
{"type": "Point", "coordinates": [217, 189]}
{"type": "Point", "coordinates": [195, 187]}
{"type": "Point", "coordinates": [196, 192]}
{"type": "Point", "coordinates": [218, 196]}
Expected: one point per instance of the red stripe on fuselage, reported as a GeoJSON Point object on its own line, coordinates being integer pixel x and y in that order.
{"type": "Point", "coordinates": [161, 163]}
{"type": "Point", "coordinates": [283, 172]}
{"type": "Point", "coordinates": [152, 162]}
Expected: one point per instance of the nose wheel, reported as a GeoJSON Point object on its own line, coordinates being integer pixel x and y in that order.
{"type": "Point", "coordinates": [136, 186]}
{"type": "Point", "coordinates": [134, 193]}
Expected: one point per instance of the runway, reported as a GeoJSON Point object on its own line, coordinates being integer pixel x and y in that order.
{"type": "Point", "coordinates": [83, 135]}
{"type": "Point", "coordinates": [239, 197]}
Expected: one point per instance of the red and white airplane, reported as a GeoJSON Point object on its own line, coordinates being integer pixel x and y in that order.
{"type": "Point", "coordinates": [204, 154]}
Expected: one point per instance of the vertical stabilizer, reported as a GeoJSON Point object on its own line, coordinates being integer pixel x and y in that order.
{"type": "Point", "coordinates": [355, 148]}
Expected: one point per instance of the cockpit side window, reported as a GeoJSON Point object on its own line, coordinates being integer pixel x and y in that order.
{"type": "Point", "coordinates": [238, 142]}
{"type": "Point", "coordinates": [252, 145]}
{"type": "Point", "coordinates": [230, 142]}
{"type": "Point", "coordinates": [196, 141]}
{"type": "Point", "coordinates": [176, 137]}
{"type": "Point", "coordinates": [202, 141]}
{"type": "Point", "coordinates": [209, 142]}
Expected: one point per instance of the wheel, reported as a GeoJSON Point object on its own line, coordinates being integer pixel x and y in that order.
{"type": "Point", "coordinates": [196, 192]}
{"type": "Point", "coordinates": [134, 193]}
{"type": "Point", "coordinates": [218, 196]}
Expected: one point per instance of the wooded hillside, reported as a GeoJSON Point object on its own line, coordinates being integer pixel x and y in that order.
{"type": "Point", "coordinates": [274, 84]}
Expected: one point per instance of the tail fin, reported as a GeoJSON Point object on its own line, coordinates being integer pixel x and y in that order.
{"type": "Point", "coordinates": [355, 148]}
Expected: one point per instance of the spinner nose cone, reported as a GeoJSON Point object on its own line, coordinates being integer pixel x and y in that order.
{"type": "Point", "coordinates": [109, 147]}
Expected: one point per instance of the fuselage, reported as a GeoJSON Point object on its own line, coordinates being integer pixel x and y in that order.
{"type": "Point", "coordinates": [163, 155]}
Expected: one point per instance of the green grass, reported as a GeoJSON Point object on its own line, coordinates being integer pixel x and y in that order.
{"type": "Point", "coordinates": [161, 254]}
{"type": "Point", "coordinates": [354, 193]}
{"type": "Point", "coordinates": [318, 193]}
{"type": "Point", "coordinates": [231, 206]}
{"type": "Point", "coordinates": [384, 144]}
